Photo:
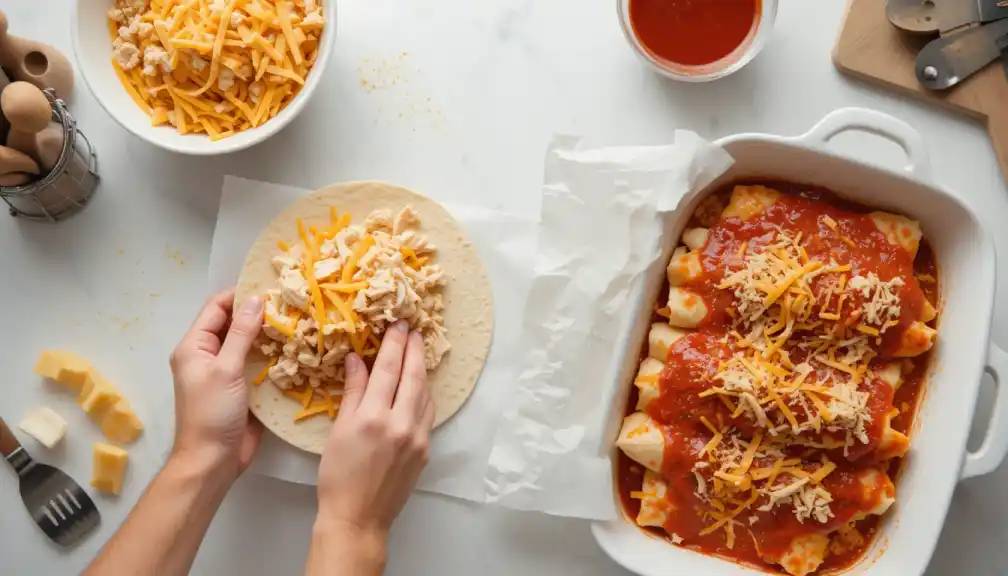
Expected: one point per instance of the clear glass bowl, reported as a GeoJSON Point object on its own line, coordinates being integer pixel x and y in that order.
{"type": "Point", "coordinates": [741, 56]}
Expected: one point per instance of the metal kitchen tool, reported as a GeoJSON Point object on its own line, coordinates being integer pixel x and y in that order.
{"type": "Point", "coordinates": [59, 505]}
{"type": "Point", "coordinates": [971, 36]}
{"type": "Point", "coordinates": [66, 188]}
{"type": "Point", "coordinates": [945, 62]}
{"type": "Point", "coordinates": [943, 16]}
{"type": "Point", "coordinates": [1002, 45]}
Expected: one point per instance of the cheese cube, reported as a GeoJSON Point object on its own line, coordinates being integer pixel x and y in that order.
{"type": "Point", "coordinates": [45, 426]}
{"type": "Point", "coordinates": [97, 395]}
{"type": "Point", "coordinates": [66, 368]}
{"type": "Point", "coordinates": [109, 468]}
{"type": "Point", "coordinates": [120, 424]}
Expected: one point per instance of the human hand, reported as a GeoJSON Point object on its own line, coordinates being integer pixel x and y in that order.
{"type": "Point", "coordinates": [212, 420]}
{"type": "Point", "coordinates": [380, 441]}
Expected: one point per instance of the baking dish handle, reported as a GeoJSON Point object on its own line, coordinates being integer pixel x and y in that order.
{"type": "Point", "coordinates": [995, 444]}
{"type": "Point", "coordinates": [879, 124]}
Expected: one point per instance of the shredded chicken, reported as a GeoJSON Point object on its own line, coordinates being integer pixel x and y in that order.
{"type": "Point", "coordinates": [392, 280]}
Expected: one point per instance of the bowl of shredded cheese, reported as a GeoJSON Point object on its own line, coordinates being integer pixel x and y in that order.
{"type": "Point", "coordinates": [203, 77]}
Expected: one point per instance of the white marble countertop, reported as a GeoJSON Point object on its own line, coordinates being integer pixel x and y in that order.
{"type": "Point", "coordinates": [457, 99]}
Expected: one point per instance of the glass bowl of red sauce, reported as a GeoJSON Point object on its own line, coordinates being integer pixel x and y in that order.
{"type": "Point", "coordinates": [697, 40]}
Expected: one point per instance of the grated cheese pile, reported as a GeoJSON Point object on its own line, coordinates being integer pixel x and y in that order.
{"type": "Point", "coordinates": [881, 306]}
{"type": "Point", "coordinates": [735, 475]}
{"type": "Point", "coordinates": [353, 281]}
{"type": "Point", "coordinates": [777, 307]}
{"type": "Point", "coordinates": [214, 67]}
{"type": "Point", "coordinates": [788, 305]}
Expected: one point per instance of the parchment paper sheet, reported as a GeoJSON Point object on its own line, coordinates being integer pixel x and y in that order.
{"type": "Point", "coordinates": [460, 447]}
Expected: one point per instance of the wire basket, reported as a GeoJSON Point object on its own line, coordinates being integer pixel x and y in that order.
{"type": "Point", "coordinates": [68, 186]}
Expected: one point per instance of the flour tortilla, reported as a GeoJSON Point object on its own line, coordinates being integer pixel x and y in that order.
{"type": "Point", "coordinates": [467, 298]}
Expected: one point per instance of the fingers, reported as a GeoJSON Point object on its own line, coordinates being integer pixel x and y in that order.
{"type": "Point", "coordinates": [356, 383]}
{"type": "Point", "coordinates": [384, 380]}
{"type": "Point", "coordinates": [427, 420]}
{"type": "Point", "coordinates": [215, 313]}
{"type": "Point", "coordinates": [203, 335]}
{"type": "Point", "coordinates": [245, 326]}
{"type": "Point", "coordinates": [412, 397]}
{"type": "Point", "coordinates": [250, 442]}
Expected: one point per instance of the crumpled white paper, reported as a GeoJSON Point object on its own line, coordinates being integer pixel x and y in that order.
{"type": "Point", "coordinates": [601, 235]}
{"type": "Point", "coordinates": [461, 447]}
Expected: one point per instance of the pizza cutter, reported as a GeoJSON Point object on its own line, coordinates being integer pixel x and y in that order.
{"type": "Point", "coordinates": [943, 16]}
{"type": "Point", "coordinates": [973, 33]}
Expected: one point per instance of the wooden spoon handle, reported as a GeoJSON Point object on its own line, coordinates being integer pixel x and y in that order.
{"type": "Point", "coordinates": [8, 442]}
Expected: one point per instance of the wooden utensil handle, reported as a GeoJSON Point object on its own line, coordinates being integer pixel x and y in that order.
{"type": "Point", "coordinates": [8, 442]}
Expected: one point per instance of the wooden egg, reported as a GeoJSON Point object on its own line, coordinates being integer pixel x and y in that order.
{"type": "Point", "coordinates": [4, 124]}
{"type": "Point", "coordinates": [13, 161]}
{"type": "Point", "coordinates": [15, 179]}
{"type": "Point", "coordinates": [49, 144]}
{"type": "Point", "coordinates": [35, 62]}
{"type": "Point", "coordinates": [25, 107]}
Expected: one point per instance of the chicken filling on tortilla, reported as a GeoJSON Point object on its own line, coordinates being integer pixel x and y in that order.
{"type": "Point", "coordinates": [353, 281]}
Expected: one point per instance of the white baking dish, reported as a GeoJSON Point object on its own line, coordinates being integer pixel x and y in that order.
{"type": "Point", "coordinates": [938, 458]}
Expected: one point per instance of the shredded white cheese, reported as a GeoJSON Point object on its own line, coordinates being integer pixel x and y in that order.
{"type": "Point", "coordinates": [882, 303]}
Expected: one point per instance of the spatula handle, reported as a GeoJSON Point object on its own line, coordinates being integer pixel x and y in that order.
{"type": "Point", "coordinates": [8, 442]}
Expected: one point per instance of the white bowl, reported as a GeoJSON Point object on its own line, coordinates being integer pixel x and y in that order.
{"type": "Point", "coordinates": [93, 47]}
{"type": "Point", "coordinates": [741, 56]}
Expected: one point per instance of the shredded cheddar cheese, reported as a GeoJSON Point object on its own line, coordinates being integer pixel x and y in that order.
{"type": "Point", "coordinates": [214, 67]}
{"type": "Point", "coordinates": [262, 375]}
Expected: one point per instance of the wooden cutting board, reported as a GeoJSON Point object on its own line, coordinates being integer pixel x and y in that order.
{"type": "Point", "coordinates": [872, 49]}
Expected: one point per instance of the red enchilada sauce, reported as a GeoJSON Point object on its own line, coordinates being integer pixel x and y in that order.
{"type": "Point", "coordinates": [869, 251]}
{"type": "Point", "coordinates": [693, 358]}
{"type": "Point", "coordinates": [693, 32]}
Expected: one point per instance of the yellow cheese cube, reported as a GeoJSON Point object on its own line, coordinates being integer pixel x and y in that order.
{"type": "Point", "coordinates": [49, 364]}
{"type": "Point", "coordinates": [120, 424]}
{"type": "Point", "coordinates": [109, 468]}
{"type": "Point", "coordinates": [64, 367]}
{"type": "Point", "coordinates": [97, 395]}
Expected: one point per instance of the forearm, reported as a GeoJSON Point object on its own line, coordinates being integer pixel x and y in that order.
{"type": "Point", "coordinates": [340, 549]}
{"type": "Point", "coordinates": [165, 529]}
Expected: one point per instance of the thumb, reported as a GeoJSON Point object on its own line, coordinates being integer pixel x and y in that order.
{"type": "Point", "coordinates": [245, 326]}
{"type": "Point", "coordinates": [356, 382]}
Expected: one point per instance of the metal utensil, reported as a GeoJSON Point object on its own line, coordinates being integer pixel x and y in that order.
{"type": "Point", "coordinates": [943, 16]}
{"type": "Point", "coordinates": [1002, 46]}
{"type": "Point", "coordinates": [59, 505]}
{"type": "Point", "coordinates": [945, 62]}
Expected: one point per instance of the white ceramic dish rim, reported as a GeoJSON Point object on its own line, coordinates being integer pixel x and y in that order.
{"type": "Point", "coordinates": [768, 17]}
{"type": "Point", "coordinates": [647, 555]}
{"type": "Point", "coordinates": [94, 61]}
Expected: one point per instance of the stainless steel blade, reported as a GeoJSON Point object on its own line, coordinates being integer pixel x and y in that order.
{"type": "Point", "coordinates": [945, 62]}
{"type": "Point", "coordinates": [943, 16]}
